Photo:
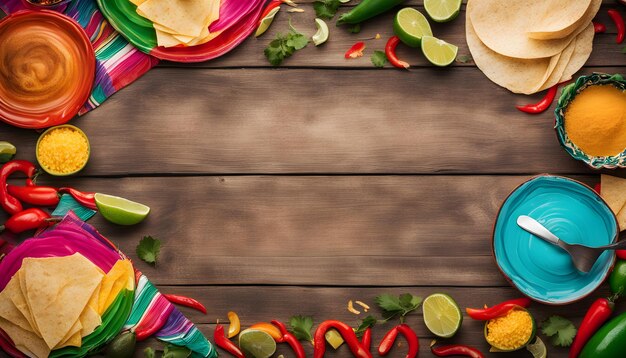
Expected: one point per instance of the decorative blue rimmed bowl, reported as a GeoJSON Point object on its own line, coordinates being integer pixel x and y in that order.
{"type": "Point", "coordinates": [567, 96]}
{"type": "Point", "coordinates": [573, 212]}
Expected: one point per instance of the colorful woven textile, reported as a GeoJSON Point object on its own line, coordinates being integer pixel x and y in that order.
{"type": "Point", "coordinates": [118, 63]}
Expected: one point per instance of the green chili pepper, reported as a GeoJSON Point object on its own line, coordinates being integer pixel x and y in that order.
{"type": "Point", "coordinates": [617, 280]}
{"type": "Point", "coordinates": [7, 151]}
{"type": "Point", "coordinates": [609, 341]}
{"type": "Point", "coordinates": [366, 10]}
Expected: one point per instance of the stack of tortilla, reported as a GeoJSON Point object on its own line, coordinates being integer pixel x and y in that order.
{"type": "Point", "coordinates": [54, 302]}
{"type": "Point", "coordinates": [614, 193]}
{"type": "Point", "coordinates": [527, 46]}
{"type": "Point", "coordinates": [180, 22]}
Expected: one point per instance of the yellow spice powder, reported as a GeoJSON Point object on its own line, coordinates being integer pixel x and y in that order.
{"type": "Point", "coordinates": [595, 120]}
{"type": "Point", "coordinates": [63, 150]}
{"type": "Point", "coordinates": [511, 331]}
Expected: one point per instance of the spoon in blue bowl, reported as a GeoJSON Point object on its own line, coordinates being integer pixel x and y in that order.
{"type": "Point", "coordinates": [583, 257]}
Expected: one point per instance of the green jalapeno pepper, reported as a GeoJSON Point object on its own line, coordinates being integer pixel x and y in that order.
{"type": "Point", "coordinates": [609, 341]}
{"type": "Point", "coordinates": [366, 10]}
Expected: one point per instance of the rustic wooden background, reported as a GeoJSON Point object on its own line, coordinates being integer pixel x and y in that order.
{"type": "Point", "coordinates": [291, 190]}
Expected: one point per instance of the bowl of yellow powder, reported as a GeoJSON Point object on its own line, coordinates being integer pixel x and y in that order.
{"type": "Point", "coordinates": [591, 120]}
{"type": "Point", "coordinates": [62, 150]}
{"type": "Point", "coordinates": [510, 332]}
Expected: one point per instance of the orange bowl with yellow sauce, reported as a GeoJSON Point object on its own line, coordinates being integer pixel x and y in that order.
{"type": "Point", "coordinates": [63, 150]}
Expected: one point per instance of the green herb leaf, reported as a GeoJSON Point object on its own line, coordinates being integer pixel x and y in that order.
{"type": "Point", "coordinates": [388, 302]}
{"type": "Point", "coordinates": [172, 351]}
{"type": "Point", "coordinates": [561, 330]}
{"type": "Point", "coordinates": [402, 305]}
{"type": "Point", "coordinates": [326, 9]}
{"type": "Point", "coordinates": [379, 59]}
{"type": "Point", "coordinates": [297, 40]}
{"type": "Point", "coordinates": [148, 352]}
{"type": "Point", "coordinates": [367, 322]}
{"type": "Point", "coordinates": [284, 46]}
{"type": "Point", "coordinates": [354, 29]}
{"type": "Point", "coordinates": [301, 327]}
{"type": "Point", "coordinates": [148, 249]}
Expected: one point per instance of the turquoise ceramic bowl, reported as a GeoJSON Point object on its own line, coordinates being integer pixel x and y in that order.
{"type": "Point", "coordinates": [573, 212]}
{"type": "Point", "coordinates": [567, 95]}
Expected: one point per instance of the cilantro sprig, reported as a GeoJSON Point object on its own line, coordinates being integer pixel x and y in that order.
{"type": "Point", "coordinates": [398, 306]}
{"type": "Point", "coordinates": [301, 327]}
{"type": "Point", "coordinates": [283, 46]}
{"type": "Point", "coordinates": [379, 59]}
{"type": "Point", "coordinates": [326, 9]}
{"type": "Point", "coordinates": [148, 249]}
{"type": "Point", "coordinates": [561, 330]}
{"type": "Point", "coordinates": [367, 322]}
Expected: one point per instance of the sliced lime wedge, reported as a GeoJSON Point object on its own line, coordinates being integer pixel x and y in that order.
{"type": "Point", "coordinates": [538, 349]}
{"type": "Point", "coordinates": [119, 210]}
{"type": "Point", "coordinates": [266, 22]}
{"type": "Point", "coordinates": [256, 344]}
{"type": "Point", "coordinates": [438, 52]}
{"type": "Point", "coordinates": [442, 315]}
{"type": "Point", "coordinates": [442, 10]}
{"type": "Point", "coordinates": [7, 151]}
{"type": "Point", "coordinates": [321, 35]}
{"type": "Point", "coordinates": [410, 26]}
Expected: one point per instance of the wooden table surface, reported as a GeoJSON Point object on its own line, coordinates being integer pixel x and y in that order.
{"type": "Point", "coordinates": [291, 190]}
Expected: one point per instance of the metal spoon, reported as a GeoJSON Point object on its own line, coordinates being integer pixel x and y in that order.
{"type": "Point", "coordinates": [583, 257]}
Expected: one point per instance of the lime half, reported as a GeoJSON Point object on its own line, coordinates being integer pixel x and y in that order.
{"type": "Point", "coordinates": [119, 210]}
{"type": "Point", "coordinates": [442, 10]}
{"type": "Point", "coordinates": [410, 26]}
{"type": "Point", "coordinates": [266, 22]}
{"type": "Point", "coordinates": [256, 344]}
{"type": "Point", "coordinates": [438, 52]}
{"type": "Point", "coordinates": [442, 315]}
{"type": "Point", "coordinates": [538, 349]}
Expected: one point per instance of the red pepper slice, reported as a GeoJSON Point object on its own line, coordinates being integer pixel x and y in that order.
{"type": "Point", "coordinates": [497, 310]}
{"type": "Point", "coordinates": [390, 338]}
{"type": "Point", "coordinates": [271, 6]}
{"type": "Point", "coordinates": [186, 301]}
{"type": "Point", "coordinates": [29, 219]}
{"type": "Point", "coordinates": [619, 24]}
{"type": "Point", "coordinates": [346, 332]}
{"type": "Point", "coordinates": [599, 27]}
{"type": "Point", "coordinates": [456, 350]}
{"type": "Point", "coordinates": [86, 199]}
{"type": "Point", "coordinates": [356, 50]}
{"type": "Point", "coordinates": [226, 344]}
{"type": "Point", "coordinates": [598, 313]}
{"type": "Point", "coordinates": [290, 339]}
{"type": "Point", "coordinates": [390, 52]}
{"type": "Point", "coordinates": [35, 195]}
{"type": "Point", "coordinates": [543, 104]}
{"type": "Point", "coordinates": [366, 340]}
{"type": "Point", "coordinates": [9, 203]}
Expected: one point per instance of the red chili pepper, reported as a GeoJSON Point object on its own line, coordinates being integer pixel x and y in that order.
{"type": "Point", "coordinates": [621, 254]}
{"type": "Point", "coordinates": [390, 52]}
{"type": "Point", "coordinates": [543, 104]}
{"type": "Point", "coordinates": [390, 338]}
{"type": "Point", "coordinates": [346, 332]}
{"type": "Point", "coordinates": [598, 188]}
{"type": "Point", "coordinates": [6, 344]}
{"type": "Point", "coordinates": [86, 199]}
{"type": "Point", "coordinates": [598, 313]}
{"type": "Point", "coordinates": [9, 203]}
{"type": "Point", "coordinates": [290, 339]}
{"type": "Point", "coordinates": [29, 219]}
{"type": "Point", "coordinates": [599, 27]}
{"type": "Point", "coordinates": [226, 344]}
{"type": "Point", "coordinates": [619, 24]}
{"type": "Point", "coordinates": [456, 350]}
{"type": "Point", "coordinates": [271, 6]}
{"type": "Point", "coordinates": [35, 195]}
{"type": "Point", "coordinates": [498, 310]}
{"type": "Point", "coordinates": [186, 301]}
{"type": "Point", "coordinates": [356, 50]}
{"type": "Point", "coordinates": [366, 340]}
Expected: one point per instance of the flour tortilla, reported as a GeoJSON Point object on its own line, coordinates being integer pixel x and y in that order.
{"type": "Point", "coordinates": [113, 282]}
{"type": "Point", "coordinates": [8, 309]}
{"type": "Point", "coordinates": [185, 17]}
{"type": "Point", "coordinates": [27, 342]}
{"type": "Point", "coordinates": [582, 51]}
{"type": "Point", "coordinates": [503, 27]}
{"type": "Point", "coordinates": [546, 26]}
{"type": "Point", "coordinates": [613, 192]}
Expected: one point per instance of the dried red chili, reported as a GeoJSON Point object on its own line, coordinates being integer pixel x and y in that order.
{"type": "Point", "coordinates": [289, 338]}
{"type": "Point", "coordinates": [29, 219]}
{"type": "Point", "coordinates": [356, 50]}
{"type": "Point", "coordinates": [390, 338]}
{"type": "Point", "coordinates": [9, 203]}
{"type": "Point", "coordinates": [543, 104]}
{"type": "Point", "coordinates": [226, 344]}
{"type": "Point", "coordinates": [186, 301]}
{"type": "Point", "coordinates": [346, 332]}
{"type": "Point", "coordinates": [86, 199]}
{"type": "Point", "coordinates": [35, 195]}
{"type": "Point", "coordinates": [390, 52]}
{"type": "Point", "coordinates": [498, 310]}
{"type": "Point", "coordinates": [599, 27]}
{"type": "Point", "coordinates": [598, 313]}
{"type": "Point", "coordinates": [618, 20]}
{"type": "Point", "coordinates": [456, 350]}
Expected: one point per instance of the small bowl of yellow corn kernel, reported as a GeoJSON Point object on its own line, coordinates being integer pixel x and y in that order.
{"type": "Point", "coordinates": [63, 150]}
{"type": "Point", "coordinates": [513, 331]}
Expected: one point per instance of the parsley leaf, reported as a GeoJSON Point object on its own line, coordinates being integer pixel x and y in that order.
{"type": "Point", "coordinates": [301, 327]}
{"type": "Point", "coordinates": [149, 352]}
{"type": "Point", "coordinates": [560, 329]}
{"type": "Point", "coordinates": [379, 59]}
{"type": "Point", "coordinates": [297, 40]}
{"type": "Point", "coordinates": [148, 249]}
{"type": "Point", "coordinates": [284, 46]}
{"type": "Point", "coordinates": [394, 306]}
{"type": "Point", "coordinates": [326, 9]}
{"type": "Point", "coordinates": [354, 29]}
{"type": "Point", "coordinates": [367, 322]}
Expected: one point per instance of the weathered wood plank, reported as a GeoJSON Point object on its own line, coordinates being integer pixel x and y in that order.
{"type": "Point", "coordinates": [311, 121]}
{"type": "Point", "coordinates": [339, 231]}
